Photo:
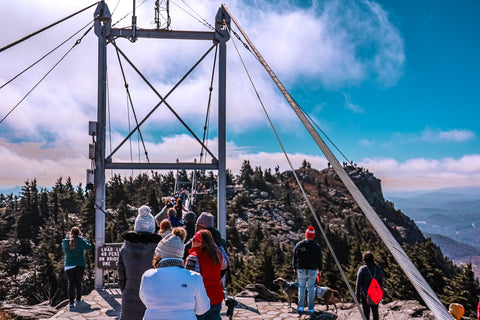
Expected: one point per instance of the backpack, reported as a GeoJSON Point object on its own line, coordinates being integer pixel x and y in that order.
{"type": "Point", "coordinates": [374, 291]}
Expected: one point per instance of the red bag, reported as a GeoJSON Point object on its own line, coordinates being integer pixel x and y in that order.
{"type": "Point", "coordinates": [374, 291]}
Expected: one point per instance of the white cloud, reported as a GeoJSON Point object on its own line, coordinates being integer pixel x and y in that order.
{"type": "Point", "coordinates": [454, 135]}
{"type": "Point", "coordinates": [366, 143]}
{"type": "Point", "coordinates": [329, 43]}
{"type": "Point", "coordinates": [426, 174]}
{"type": "Point", "coordinates": [350, 105]}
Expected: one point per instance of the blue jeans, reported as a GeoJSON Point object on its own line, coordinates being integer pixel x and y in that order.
{"type": "Point", "coordinates": [306, 279]}
{"type": "Point", "coordinates": [213, 313]}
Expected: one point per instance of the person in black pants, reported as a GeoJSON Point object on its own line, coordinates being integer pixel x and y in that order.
{"type": "Point", "coordinates": [365, 274]}
{"type": "Point", "coordinates": [73, 246]}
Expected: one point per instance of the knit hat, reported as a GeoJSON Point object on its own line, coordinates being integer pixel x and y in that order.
{"type": "Point", "coordinates": [189, 217]}
{"type": "Point", "coordinates": [144, 222]}
{"type": "Point", "coordinates": [310, 233]}
{"type": "Point", "coordinates": [170, 247]}
{"type": "Point", "coordinates": [205, 219]}
{"type": "Point", "coordinates": [456, 310]}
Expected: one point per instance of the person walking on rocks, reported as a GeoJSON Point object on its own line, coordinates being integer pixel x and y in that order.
{"type": "Point", "coordinates": [365, 274]}
{"type": "Point", "coordinates": [307, 263]}
{"type": "Point", "coordinates": [134, 259]}
{"type": "Point", "coordinates": [168, 290]}
{"type": "Point", "coordinates": [74, 246]}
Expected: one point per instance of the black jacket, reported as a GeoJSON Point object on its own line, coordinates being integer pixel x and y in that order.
{"type": "Point", "coordinates": [307, 255]}
{"type": "Point", "coordinates": [364, 276]}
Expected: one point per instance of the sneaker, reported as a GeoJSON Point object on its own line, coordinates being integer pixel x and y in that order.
{"type": "Point", "coordinates": [301, 309]}
{"type": "Point", "coordinates": [71, 305]}
{"type": "Point", "coordinates": [311, 310]}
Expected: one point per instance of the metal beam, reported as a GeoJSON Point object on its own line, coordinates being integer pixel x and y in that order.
{"type": "Point", "coordinates": [102, 29]}
{"type": "Point", "coordinates": [163, 34]}
{"type": "Point", "coordinates": [222, 25]}
{"type": "Point", "coordinates": [161, 166]}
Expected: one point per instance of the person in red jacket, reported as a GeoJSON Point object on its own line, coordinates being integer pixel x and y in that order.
{"type": "Point", "coordinates": [478, 311]}
{"type": "Point", "coordinates": [205, 258]}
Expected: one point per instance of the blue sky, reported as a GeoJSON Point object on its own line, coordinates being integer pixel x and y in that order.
{"type": "Point", "coordinates": [393, 83]}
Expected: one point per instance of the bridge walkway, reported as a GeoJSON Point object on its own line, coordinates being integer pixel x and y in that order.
{"type": "Point", "coordinates": [106, 304]}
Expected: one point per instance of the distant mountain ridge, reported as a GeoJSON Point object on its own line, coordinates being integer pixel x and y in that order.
{"type": "Point", "coordinates": [454, 215]}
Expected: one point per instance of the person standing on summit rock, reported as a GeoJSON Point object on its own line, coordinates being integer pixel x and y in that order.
{"type": "Point", "coordinates": [307, 263]}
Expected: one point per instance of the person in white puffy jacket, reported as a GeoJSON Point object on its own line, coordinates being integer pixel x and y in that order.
{"type": "Point", "coordinates": [169, 291]}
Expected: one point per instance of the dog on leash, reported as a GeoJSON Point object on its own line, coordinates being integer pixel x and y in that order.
{"type": "Point", "coordinates": [289, 288]}
{"type": "Point", "coordinates": [328, 295]}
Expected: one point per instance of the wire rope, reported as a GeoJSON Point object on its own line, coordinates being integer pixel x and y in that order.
{"type": "Point", "coordinates": [127, 14]}
{"type": "Point", "coordinates": [304, 194]}
{"type": "Point", "coordinates": [207, 113]}
{"type": "Point", "coordinates": [139, 132]}
{"type": "Point", "coordinates": [45, 28]}
{"type": "Point", "coordinates": [162, 99]}
{"type": "Point", "coordinates": [323, 132]}
{"type": "Point", "coordinates": [45, 55]}
{"type": "Point", "coordinates": [129, 97]}
{"type": "Point", "coordinates": [48, 72]}
{"type": "Point", "coordinates": [416, 278]}
{"type": "Point", "coordinates": [198, 16]}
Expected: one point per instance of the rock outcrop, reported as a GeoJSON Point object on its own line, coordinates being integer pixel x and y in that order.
{"type": "Point", "coordinates": [20, 312]}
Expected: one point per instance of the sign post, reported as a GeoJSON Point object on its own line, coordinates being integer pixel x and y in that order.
{"type": "Point", "coordinates": [107, 256]}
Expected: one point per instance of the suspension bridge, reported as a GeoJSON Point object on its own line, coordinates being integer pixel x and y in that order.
{"type": "Point", "coordinates": [220, 32]}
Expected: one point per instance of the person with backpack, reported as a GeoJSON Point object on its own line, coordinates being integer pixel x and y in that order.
{"type": "Point", "coordinates": [369, 285]}
{"type": "Point", "coordinates": [307, 263]}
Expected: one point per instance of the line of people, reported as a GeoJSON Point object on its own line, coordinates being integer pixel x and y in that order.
{"type": "Point", "coordinates": [187, 260]}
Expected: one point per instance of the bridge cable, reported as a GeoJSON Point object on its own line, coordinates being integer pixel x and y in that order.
{"type": "Point", "coordinates": [45, 28]}
{"type": "Point", "coordinates": [162, 99]}
{"type": "Point", "coordinates": [416, 278]}
{"type": "Point", "coordinates": [45, 55]}
{"type": "Point", "coordinates": [130, 102]}
{"type": "Point", "coordinates": [127, 14]}
{"type": "Point", "coordinates": [48, 72]}
{"type": "Point", "coordinates": [198, 16]}
{"type": "Point", "coordinates": [317, 220]}
{"type": "Point", "coordinates": [207, 113]}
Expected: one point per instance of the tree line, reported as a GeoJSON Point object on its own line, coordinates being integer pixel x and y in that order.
{"type": "Point", "coordinates": [34, 222]}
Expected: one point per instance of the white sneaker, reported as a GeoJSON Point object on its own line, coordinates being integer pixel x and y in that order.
{"type": "Point", "coordinates": [301, 309]}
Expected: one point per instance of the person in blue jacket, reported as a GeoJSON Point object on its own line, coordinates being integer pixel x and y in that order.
{"type": "Point", "coordinates": [74, 246]}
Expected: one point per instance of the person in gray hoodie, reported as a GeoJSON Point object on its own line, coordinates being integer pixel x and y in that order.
{"type": "Point", "coordinates": [134, 259]}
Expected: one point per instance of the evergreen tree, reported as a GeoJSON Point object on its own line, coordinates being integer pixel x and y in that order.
{"type": "Point", "coordinates": [245, 174]}
{"type": "Point", "coordinates": [255, 237]}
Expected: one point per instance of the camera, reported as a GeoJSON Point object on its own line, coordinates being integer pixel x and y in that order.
{"type": "Point", "coordinates": [231, 304]}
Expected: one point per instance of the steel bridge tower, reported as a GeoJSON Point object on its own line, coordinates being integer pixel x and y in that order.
{"type": "Point", "coordinates": [105, 32]}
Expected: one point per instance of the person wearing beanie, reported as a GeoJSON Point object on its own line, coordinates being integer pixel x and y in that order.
{"type": "Point", "coordinates": [206, 221]}
{"type": "Point", "coordinates": [134, 259]}
{"type": "Point", "coordinates": [206, 259]}
{"type": "Point", "coordinates": [189, 219]}
{"type": "Point", "coordinates": [168, 290]}
{"type": "Point", "coordinates": [307, 263]}
{"type": "Point", "coordinates": [365, 274]}
{"type": "Point", "coordinates": [74, 246]}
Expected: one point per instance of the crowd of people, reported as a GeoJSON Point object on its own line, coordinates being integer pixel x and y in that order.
{"type": "Point", "coordinates": [172, 268]}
